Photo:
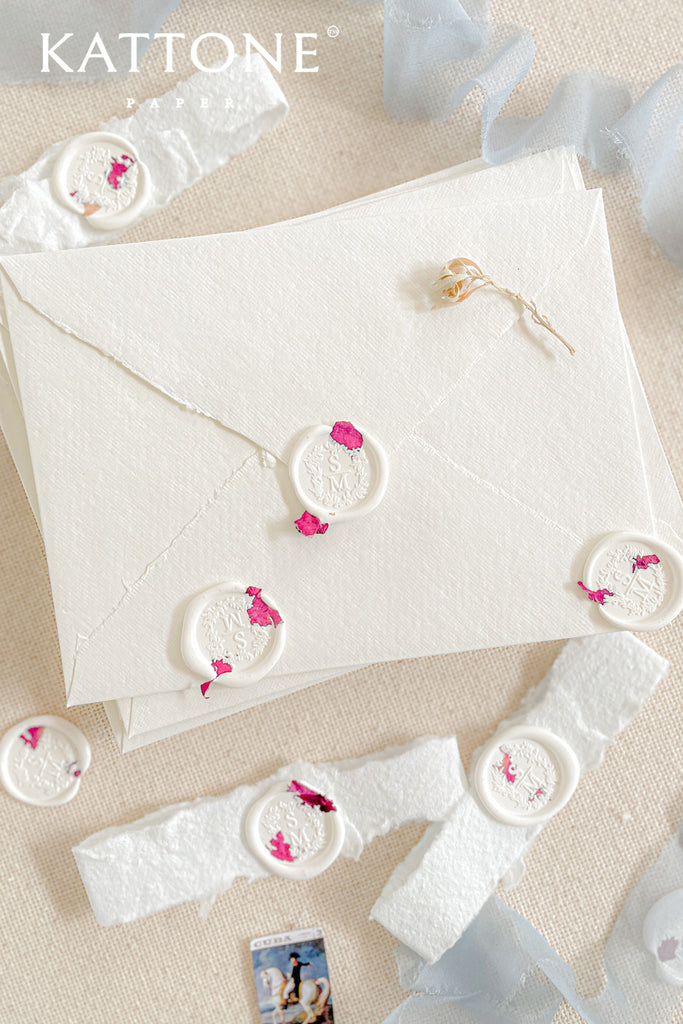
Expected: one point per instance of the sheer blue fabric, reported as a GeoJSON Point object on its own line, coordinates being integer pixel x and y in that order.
{"type": "Point", "coordinates": [437, 51]}
{"type": "Point", "coordinates": [22, 23]}
{"type": "Point", "coordinates": [502, 971]}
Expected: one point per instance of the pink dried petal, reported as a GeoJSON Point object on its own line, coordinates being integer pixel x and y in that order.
{"type": "Point", "coordinates": [311, 797]}
{"type": "Point", "coordinates": [309, 525]}
{"type": "Point", "coordinates": [281, 849]}
{"type": "Point", "coordinates": [642, 562]}
{"type": "Point", "coordinates": [506, 766]}
{"type": "Point", "coordinates": [261, 614]}
{"type": "Point", "coordinates": [35, 732]}
{"type": "Point", "coordinates": [595, 595]}
{"type": "Point", "coordinates": [345, 433]}
{"type": "Point", "coordinates": [118, 170]}
{"type": "Point", "coordinates": [221, 667]}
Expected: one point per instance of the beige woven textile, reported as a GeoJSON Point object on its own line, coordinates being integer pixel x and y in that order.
{"type": "Point", "coordinates": [58, 966]}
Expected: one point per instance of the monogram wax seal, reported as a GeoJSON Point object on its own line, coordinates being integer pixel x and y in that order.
{"type": "Point", "coordinates": [232, 634]}
{"type": "Point", "coordinates": [294, 831]}
{"type": "Point", "coordinates": [663, 936]}
{"type": "Point", "coordinates": [338, 472]}
{"type": "Point", "coordinates": [42, 760]}
{"type": "Point", "coordinates": [525, 775]}
{"type": "Point", "coordinates": [640, 579]}
{"type": "Point", "coordinates": [101, 177]}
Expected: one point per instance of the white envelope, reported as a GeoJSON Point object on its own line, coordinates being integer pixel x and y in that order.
{"type": "Point", "coordinates": [140, 720]}
{"type": "Point", "coordinates": [150, 376]}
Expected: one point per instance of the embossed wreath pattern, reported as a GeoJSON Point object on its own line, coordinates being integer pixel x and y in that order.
{"type": "Point", "coordinates": [537, 758]}
{"type": "Point", "coordinates": [302, 827]}
{"type": "Point", "coordinates": [90, 182]}
{"type": "Point", "coordinates": [361, 467]}
{"type": "Point", "coordinates": [639, 593]}
{"type": "Point", "coordinates": [216, 640]}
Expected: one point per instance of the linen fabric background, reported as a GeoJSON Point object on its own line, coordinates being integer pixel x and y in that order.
{"type": "Point", "coordinates": [336, 144]}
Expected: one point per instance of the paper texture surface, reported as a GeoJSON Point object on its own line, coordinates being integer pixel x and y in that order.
{"type": "Point", "coordinates": [133, 871]}
{"type": "Point", "coordinates": [459, 385]}
{"type": "Point", "coordinates": [592, 691]}
{"type": "Point", "coordinates": [142, 720]}
{"type": "Point", "coordinates": [178, 143]}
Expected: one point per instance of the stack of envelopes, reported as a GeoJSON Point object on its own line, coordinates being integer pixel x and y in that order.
{"type": "Point", "coordinates": [153, 394]}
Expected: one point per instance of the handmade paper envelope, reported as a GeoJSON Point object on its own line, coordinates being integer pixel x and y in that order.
{"type": "Point", "coordinates": [540, 174]}
{"type": "Point", "coordinates": [153, 377]}
{"type": "Point", "coordinates": [140, 720]}
{"type": "Point", "coordinates": [144, 719]}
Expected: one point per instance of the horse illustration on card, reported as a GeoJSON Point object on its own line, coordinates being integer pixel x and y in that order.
{"type": "Point", "coordinates": [291, 976]}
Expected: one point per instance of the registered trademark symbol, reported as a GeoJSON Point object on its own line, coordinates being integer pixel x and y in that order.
{"type": "Point", "coordinates": [333, 31]}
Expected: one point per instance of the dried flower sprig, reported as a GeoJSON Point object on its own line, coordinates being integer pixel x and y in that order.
{"type": "Point", "coordinates": [461, 277]}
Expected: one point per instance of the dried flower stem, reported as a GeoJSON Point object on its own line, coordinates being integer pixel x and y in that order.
{"type": "Point", "coordinates": [461, 277]}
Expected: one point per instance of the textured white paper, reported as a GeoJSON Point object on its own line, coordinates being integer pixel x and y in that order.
{"type": "Point", "coordinates": [179, 145]}
{"type": "Point", "coordinates": [143, 720]}
{"type": "Point", "coordinates": [593, 689]}
{"type": "Point", "coordinates": [464, 387]}
{"type": "Point", "coordinates": [194, 851]}
{"type": "Point", "coordinates": [216, 446]}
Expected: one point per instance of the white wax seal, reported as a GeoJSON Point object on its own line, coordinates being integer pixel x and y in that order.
{"type": "Point", "coordinates": [101, 177]}
{"type": "Point", "coordinates": [339, 472]}
{"type": "Point", "coordinates": [525, 775]}
{"type": "Point", "coordinates": [232, 634]}
{"type": "Point", "coordinates": [294, 831]}
{"type": "Point", "coordinates": [42, 760]}
{"type": "Point", "coordinates": [637, 580]}
{"type": "Point", "coordinates": [663, 936]}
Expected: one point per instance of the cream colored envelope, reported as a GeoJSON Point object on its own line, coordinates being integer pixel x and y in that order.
{"type": "Point", "coordinates": [141, 720]}
{"type": "Point", "coordinates": [151, 376]}
{"type": "Point", "coordinates": [144, 719]}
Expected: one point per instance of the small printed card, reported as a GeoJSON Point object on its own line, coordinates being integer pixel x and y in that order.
{"type": "Point", "coordinates": [291, 976]}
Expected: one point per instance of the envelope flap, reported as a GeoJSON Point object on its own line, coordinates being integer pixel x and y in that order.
{"type": "Point", "coordinates": [271, 331]}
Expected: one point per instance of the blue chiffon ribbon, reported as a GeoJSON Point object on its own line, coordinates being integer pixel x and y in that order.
{"type": "Point", "coordinates": [437, 51]}
{"type": "Point", "coordinates": [502, 971]}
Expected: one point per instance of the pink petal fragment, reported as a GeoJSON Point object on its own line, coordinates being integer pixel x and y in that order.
{"type": "Point", "coordinates": [261, 614]}
{"type": "Point", "coordinates": [506, 766]}
{"type": "Point", "coordinates": [221, 667]}
{"type": "Point", "coordinates": [34, 734]}
{"type": "Point", "coordinates": [310, 797]}
{"type": "Point", "coordinates": [118, 170]}
{"type": "Point", "coordinates": [308, 524]}
{"type": "Point", "coordinates": [345, 433]}
{"type": "Point", "coordinates": [642, 561]}
{"type": "Point", "coordinates": [281, 849]}
{"type": "Point", "coordinates": [595, 595]}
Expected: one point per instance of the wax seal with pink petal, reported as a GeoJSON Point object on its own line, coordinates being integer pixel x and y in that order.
{"type": "Point", "coordinates": [99, 176]}
{"type": "Point", "coordinates": [232, 635]}
{"type": "Point", "coordinates": [525, 775]}
{"type": "Point", "coordinates": [338, 472]}
{"type": "Point", "coordinates": [42, 760]}
{"type": "Point", "coordinates": [294, 830]}
{"type": "Point", "coordinates": [635, 580]}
